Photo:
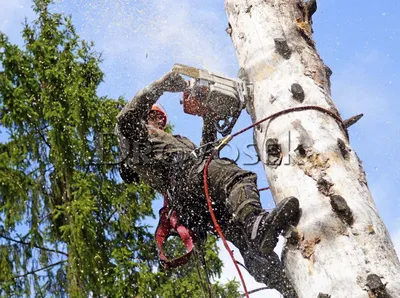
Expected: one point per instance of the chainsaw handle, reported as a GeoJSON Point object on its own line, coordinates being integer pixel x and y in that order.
{"type": "Point", "coordinates": [224, 127]}
{"type": "Point", "coordinates": [227, 126]}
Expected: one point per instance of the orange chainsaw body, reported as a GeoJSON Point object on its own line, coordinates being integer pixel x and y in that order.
{"type": "Point", "coordinates": [195, 104]}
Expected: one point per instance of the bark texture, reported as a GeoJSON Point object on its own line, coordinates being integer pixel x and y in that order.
{"type": "Point", "coordinates": [341, 247]}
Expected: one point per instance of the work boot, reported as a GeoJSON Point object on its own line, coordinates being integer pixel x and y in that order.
{"type": "Point", "coordinates": [264, 228]}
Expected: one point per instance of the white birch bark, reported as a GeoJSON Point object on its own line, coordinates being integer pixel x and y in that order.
{"type": "Point", "coordinates": [332, 253]}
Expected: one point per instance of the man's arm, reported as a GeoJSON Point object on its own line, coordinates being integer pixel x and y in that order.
{"type": "Point", "coordinates": [141, 104]}
{"type": "Point", "coordinates": [133, 116]}
{"type": "Point", "coordinates": [209, 132]}
{"type": "Point", "coordinates": [131, 121]}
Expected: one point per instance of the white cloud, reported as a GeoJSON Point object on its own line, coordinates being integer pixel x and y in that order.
{"type": "Point", "coordinates": [141, 39]}
{"type": "Point", "coordinates": [171, 30]}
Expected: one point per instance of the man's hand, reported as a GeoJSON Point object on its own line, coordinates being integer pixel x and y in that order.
{"type": "Point", "coordinates": [173, 82]}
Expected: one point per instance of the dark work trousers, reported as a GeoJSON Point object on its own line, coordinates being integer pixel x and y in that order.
{"type": "Point", "coordinates": [233, 192]}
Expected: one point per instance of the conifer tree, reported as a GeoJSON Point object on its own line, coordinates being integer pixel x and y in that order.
{"type": "Point", "coordinates": [69, 227]}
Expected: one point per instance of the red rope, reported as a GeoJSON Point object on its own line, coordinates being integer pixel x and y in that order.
{"type": "Point", "coordinates": [215, 221]}
{"type": "Point", "coordinates": [264, 188]}
{"type": "Point", "coordinates": [295, 109]}
{"type": "Point", "coordinates": [205, 173]}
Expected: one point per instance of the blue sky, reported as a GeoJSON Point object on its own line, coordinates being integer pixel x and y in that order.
{"type": "Point", "coordinates": [359, 40]}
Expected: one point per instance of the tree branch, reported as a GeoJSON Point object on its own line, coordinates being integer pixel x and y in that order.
{"type": "Point", "coordinates": [109, 218]}
{"type": "Point", "coordinates": [36, 246]}
{"type": "Point", "coordinates": [40, 134]}
{"type": "Point", "coordinates": [40, 269]}
{"type": "Point", "coordinates": [43, 138]}
{"type": "Point", "coordinates": [38, 168]}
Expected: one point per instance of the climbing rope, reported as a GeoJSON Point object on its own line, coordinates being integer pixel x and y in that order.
{"type": "Point", "coordinates": [215, 221]}
{"type": "Point", "coordinates": [223, 143]}
{"type": "Point", "coordinates": [264, 188]}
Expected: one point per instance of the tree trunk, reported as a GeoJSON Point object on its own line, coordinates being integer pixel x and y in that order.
{"type": "Point", "coordinates": [340, 248]}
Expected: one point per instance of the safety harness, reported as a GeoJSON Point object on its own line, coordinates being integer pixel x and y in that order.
{"type": "Point", "coordinates": [169, 226]}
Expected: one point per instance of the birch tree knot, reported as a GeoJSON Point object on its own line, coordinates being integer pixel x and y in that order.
{"type": "Point", "coordinates": [282, 48]}
{"type": "Point", "coordinates": [229, 30]}
{"type": "Point", "coordinates": [376, 286]}
{"type": "Point", "coordinates": [274, 153]}
{"type": "Point", "coordinates": [324, 185]}
{"type": "Point", "coordinates": [328, 71]}
{"type": "Point", "coordinates": [342, 210]}
{"type": "Point", "coordinates": [343, 148]}
{"type": "Point", "coordinates": [297, 92]}
{"type": "Point", "coordinates": [300, 150]}
{"type": "Point", "coordinates": [248, 9]}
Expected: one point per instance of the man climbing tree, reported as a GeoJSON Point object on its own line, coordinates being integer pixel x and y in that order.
{"type": "Point", "coordinates": [167, 163]}
{"type": "Point", "coordinates": [341, 247]}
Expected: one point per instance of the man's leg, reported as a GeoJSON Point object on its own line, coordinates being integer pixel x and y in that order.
{"type": "Point", "coordinates": [266, 269]}
{"type": "Point", "coordinates": [269, 270]}
{"type": "Point", "coordinates": [239, 188]}
{"type": "Point", "coordinates": [261, 228]}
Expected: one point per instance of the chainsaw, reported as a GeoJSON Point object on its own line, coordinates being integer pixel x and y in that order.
{"type": "Point", "coordinates": [214, 95]}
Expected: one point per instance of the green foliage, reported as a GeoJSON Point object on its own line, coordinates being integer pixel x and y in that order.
{"type": "Point", "coordinates": [189, 280]}
{"type": "Point", "coordinates": [68, 226]}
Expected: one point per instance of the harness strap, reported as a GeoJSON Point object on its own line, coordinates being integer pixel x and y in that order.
{"type": "Point", "coordinates": [167, 226]}
{"type": "Point", "coordinates": [243, 204]}
{"type": "Point", "coordinates": [256, 224]}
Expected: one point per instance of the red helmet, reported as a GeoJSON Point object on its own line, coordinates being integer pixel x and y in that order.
{"type": "Point", "coordinates": [159, 109]}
